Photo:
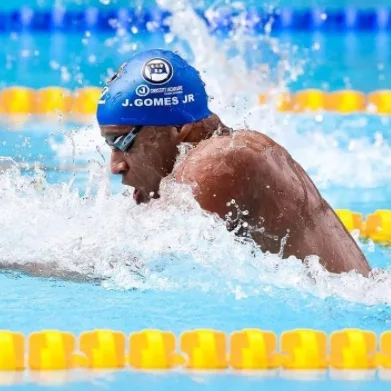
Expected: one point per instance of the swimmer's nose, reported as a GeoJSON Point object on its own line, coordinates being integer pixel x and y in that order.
{"type": "Point", "coordinates": [118, 164]}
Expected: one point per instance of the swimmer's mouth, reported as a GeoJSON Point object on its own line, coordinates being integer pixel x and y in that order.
{"type": "Point", "coordinates": [140, 197]}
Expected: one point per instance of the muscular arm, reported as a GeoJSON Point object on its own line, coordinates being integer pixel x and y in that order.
{"type": "Point", "coordinates": [223, 177]}
{"type": "Point", "coordinates": [280, 198]}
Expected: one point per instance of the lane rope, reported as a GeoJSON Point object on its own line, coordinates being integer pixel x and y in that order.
{"type": "Point", "coordinates": [200, 349]}
{"type": "Point", "coordinates": [83, 101]}
{"type": "Point", "coordinates": [376, 226]}
{"type": "Point", "coordinates": [221, 18]}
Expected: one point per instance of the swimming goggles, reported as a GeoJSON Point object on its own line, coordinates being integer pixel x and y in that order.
{"type": "Point", "coordinates": [123, 142]}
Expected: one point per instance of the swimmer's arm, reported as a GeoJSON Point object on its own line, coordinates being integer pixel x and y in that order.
{"type": "Point", "coordinates": [225, 184]}
{"type": "Point", "coordinates": [46, 270]}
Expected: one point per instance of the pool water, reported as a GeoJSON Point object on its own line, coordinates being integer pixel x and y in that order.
{"type": "Point", "coordinates": [59, 204]}
{"type": "Point", "coordinates": [333, 61]}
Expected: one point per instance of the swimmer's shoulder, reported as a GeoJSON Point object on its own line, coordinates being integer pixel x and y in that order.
{"type": "Point", "coordinates": [240, 145]}
{"type": "Point", "coordinates": [225, 155]}
{"type": "Point", "coordinates": [237, 141]}
{"type": "Point", "coordinates": [221, 169]}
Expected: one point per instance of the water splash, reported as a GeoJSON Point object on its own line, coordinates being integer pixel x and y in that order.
{"type": "Point", "coordinates": [323, 144]}
{"type": "Point", "coordinates": [232, 84]}
{"type": "Point", "coordinates": [171, 244]}
{"type": "Point", "coordinates": [334, 150]}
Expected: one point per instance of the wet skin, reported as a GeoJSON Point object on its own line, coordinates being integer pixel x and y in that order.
{"type": "Point", "coordinates": [280, 198]}
{"type": "Point", "coordinates": [275, 201]}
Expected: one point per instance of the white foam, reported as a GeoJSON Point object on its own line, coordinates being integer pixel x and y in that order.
{"type": "Point", "coordinates": [171, 244]}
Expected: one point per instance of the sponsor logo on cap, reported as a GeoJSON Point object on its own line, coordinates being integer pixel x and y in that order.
{"type": "Point", "coordinates": [157, 71]}
{"type": "Point", "coordinates": [142, 90]}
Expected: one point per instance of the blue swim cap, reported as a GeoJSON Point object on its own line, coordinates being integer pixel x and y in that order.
{"type": "Point", "coordinates": [155, 87]}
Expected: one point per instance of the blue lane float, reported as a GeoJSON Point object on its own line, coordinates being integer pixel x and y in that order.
{"type": "Point", "coordinates": [218, 19]}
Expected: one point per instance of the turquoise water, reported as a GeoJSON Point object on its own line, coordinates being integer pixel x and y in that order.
{"type": "Point", "coordinates": [333, 61]}
{"type": "Point", "coordinates": [195, 274]}
{"type": "Point", "coordinates": [212, 382]}
{"type": "Point", "coordinates": [197, 296]}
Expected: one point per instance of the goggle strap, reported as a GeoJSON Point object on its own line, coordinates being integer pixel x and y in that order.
{"type": "Point", "coordinates": [128, 139]}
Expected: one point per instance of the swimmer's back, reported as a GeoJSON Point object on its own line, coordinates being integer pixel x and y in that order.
{"type": "Point", "coordinates": [280, 198]}
{"type": "Point", "coordinates": [246, 166]}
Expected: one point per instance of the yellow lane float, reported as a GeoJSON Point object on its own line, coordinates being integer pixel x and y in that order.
{"type": "Point", "coordinates": [53, 100]}
{"type": "Point", "coordinates": [202, 349]}
{"type": "Point", "coordinates": [17, 100]}
{"type": "Point", "coordinates": [351, 220]}
{"type": "Point", "coordinates": [378, 226]}
{"type": "Point", "coordinates": [83, 101]}
{"type": "Point", "coordinates": [346, 101]}
{"type": "Point", "coordinates": [380, 102]}
{"type": "Point", "coordinates": [310, 100]}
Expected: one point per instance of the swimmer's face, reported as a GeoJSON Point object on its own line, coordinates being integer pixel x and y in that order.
{"type": "Point", "coordinates": [150, 158]}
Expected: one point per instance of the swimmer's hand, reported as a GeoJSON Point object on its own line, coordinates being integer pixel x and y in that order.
{"type": "Point", "coordinates": [47, 270]}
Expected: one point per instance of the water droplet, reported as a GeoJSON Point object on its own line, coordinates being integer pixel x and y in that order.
{"type": "Point", "coordinates": [25, 53]}
{"type": "Point", "coordinates": [316, 46]}
{"type": "Point", "coordinates": [54, 64]}
{"type": "Point", "coordinates": [92, 59]}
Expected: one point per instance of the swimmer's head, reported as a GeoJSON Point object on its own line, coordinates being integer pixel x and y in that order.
{"type": "Point", "coordinates": [153, 151]}
{"type": "Point", "coordinates": [154, 87]}
{"type": "Point", "coordinates": [152, 104]}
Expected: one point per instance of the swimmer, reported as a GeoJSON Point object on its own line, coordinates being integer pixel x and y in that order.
{"type": "Point", "coordinates": [156, 102]}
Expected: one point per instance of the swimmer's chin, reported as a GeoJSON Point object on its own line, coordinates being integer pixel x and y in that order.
{"type": "Point", "coordinates": [140, 197]}
{"type": "Point", "coordinates": [143, 197]}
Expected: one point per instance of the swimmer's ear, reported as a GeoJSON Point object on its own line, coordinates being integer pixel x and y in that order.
{"type": "Point", "coordinates": [202, 130]}
{"type": "Point", "coordinates": [184, 133]}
